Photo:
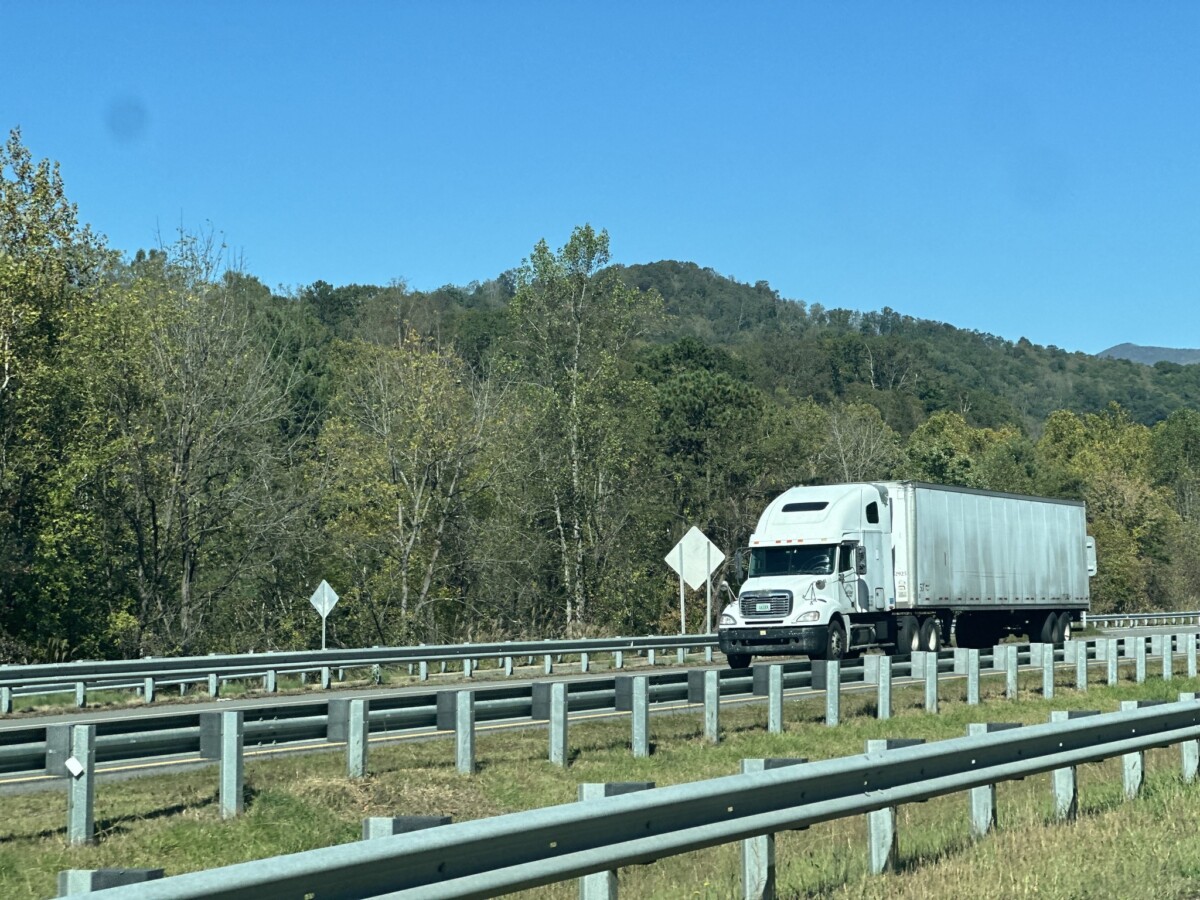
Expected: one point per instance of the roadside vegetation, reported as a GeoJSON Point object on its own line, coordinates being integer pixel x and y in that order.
{"type": "Point", "coordinates": [185, 454]}
{"type": "Point", "coordinates": [1116, 848]}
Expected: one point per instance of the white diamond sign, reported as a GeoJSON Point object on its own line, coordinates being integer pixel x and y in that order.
{"type": "Point", "coordinates": [324, 599]}
{"type": "Point", "coordinates": [694, 558]}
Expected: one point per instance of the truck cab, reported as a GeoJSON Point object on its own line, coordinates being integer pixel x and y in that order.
{"type": "Point", "coordinates": [818, 571]}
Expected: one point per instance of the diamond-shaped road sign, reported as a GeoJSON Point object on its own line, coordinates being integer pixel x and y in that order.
{"type": "Point", "coordinates": [324, 599]}
{"type": "Point", "coordinates": [694, 558]}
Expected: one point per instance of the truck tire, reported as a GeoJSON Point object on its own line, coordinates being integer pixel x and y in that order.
{"type": "Point", "coordinates": [1041, 630]}
{"type": "Point", "coordinates": [835, 644]}
{"type": "Point", "coordinates": [908, 635]}
{"type": "Point", "coordinates": [1062, 627]}
{"type": "Point", "coordinates": [738, 660]}
{"type": "Point", "coordinates": [931, 634]}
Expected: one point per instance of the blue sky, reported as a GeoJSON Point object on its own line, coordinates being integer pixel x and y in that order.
{"type": "Point", "coordinates": [1025, 169]}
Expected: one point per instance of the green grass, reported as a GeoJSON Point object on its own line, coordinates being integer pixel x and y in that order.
{"type": "Point", "coordinates": [1116, 849]}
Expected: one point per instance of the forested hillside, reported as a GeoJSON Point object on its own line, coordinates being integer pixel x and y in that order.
{"type": "Point", "coordinates": [184, 455]}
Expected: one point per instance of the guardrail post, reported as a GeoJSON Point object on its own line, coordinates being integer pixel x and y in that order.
{"type": "Point", "coordinates": [232, 803]}
{"type": "Point", "coordinates": [80, 768]}
{"type": "Point", "coordinates": [681, 655]}
{"type": "Point", "coordinates": [775, 699]}
{"type": "Point", "coordinates": [548, 665]}
{"type": "Point", "coordinates": [983, 798]}
{"type": "Point", "coordinates": [641, 716]}
{"type": "Point", "coordinates": [1139, 650]}
{"type": "Point", "coordinates": [712, 706]}
{"type": "Point", "coordinates": [559, 750]}
{"type": "Point", "coordinates": [650, 657]}
{"type": "Point", "coordinates": [508, 666]}
{"type": "Point", "coordinates": [1065, 781]}
{"type": "Point", "coordinates": [882, 844]}
{"type": "Point", "coordinates": [1081, 667]}
{"type": "Point", "coordinates": [619, 659]}
{"type": "Point", "coordinates": [1047, 670]}
{"type": "Point", "coordinates": [326, 678]}
{"type": "Point", "coordinates": [148, 690]}
{"type": "Point", "coordinates": [1133, 765]}
{"type": "Point", "coordinates": [80, 694]}
{"type": "Point", "coordinates": [584, 662]}
{"type": "Point", "coordinates": [464, 732]}
{"type": "Point", "coordinates": [1168, 657]}
{"type": "Point", "coordinates": [1007, 653]}
{"type": "Point", "coordinates": [1112, 660]}
{"type": "Point", "coordinates": [930, 665]}
{"type": "Point", "coordinates": [972, 677]}
{"type": "Point", "coordinates": [423, 670]}
{"type": "Point", "coordinates": [468, 667]}
{"type": "Point", "coordinates": [6, 701]}
{"type": "Point", "coordinates": [603, 885]}
{"type": "Point", "coordinates": [1189, 649]}
{"type": "Point", "coordinates": [214, 685]}
{"type": "Point", "coordinates": [708, 654]}
{"type": "Point", "coordinates": [83, 881]}
{"type": "Point", "coordinates": [883, 703]}
{"type": "Point", "coordinates": [374, 827]}
{"type": "Point", "coordinates": [357, 733]}
{"type": "Point", "coordinates": [1189, 751]}
{"type": "Point", "coordinates": [183, 688]}
{"type": "Point", "coordinates": [758, 853]}
{"type": "Point", "coordinates": [833, 691]}
{"type": "Point", "coordinates": [271, 683]}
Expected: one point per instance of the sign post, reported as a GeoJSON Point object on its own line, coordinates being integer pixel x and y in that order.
{"type": "Point", "coordinates": [695, 558]}
{"type": "Point", "coordinates": [324, 599]}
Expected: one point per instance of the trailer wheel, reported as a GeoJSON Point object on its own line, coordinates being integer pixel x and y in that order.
{"type": "Point", "coordinates": [1045, 628]}
{"type": "Point", "coordinates": [908, 635]}
{"type": "Point", "coordinates": [738, 660]}
{"type": "Point", "coordinates": [1062, 627]}
{"type": "Point", "coordinates": [931, 635]}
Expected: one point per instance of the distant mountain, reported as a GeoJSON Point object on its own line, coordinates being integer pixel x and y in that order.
{"type": "Point", "coordinates": [1151, 355]}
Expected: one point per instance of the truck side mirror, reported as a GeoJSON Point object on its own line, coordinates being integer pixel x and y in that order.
{"type": "Point", "coordinates": [861, 562]}
{"type": "Point", "coordinates": [739, 564]}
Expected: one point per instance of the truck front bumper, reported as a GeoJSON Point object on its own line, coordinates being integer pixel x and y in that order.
{"type": "Point", "coordinates": [774, 641]}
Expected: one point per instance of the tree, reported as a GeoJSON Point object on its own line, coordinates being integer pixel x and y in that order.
{"type": "Point", "coordinates": [397, 460]}
{"type": "Point", "coordinates": [572, 320]}
{"type": "Point", "coordinates": [198, 395]}
{"type": "Point", "coordinates": [860, 446]}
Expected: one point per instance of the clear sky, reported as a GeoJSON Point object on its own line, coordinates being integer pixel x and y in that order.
{"type": "Point", "coordinates": [1025, 169]}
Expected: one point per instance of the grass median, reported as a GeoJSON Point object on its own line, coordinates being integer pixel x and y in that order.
{"type": "Point", "coordinates": [1114, 849]}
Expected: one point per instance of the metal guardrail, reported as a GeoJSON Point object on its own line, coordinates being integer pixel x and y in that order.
{"type": "Point", "coordinates": [1131, 620]}
{"type": "Point", "coordinates": [47, 678]}
{"type": "Point", "coordinates": [487, 857]}
{"type": "Point", "coordinates": [23, 745]}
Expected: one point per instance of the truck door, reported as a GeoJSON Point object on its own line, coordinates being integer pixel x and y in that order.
{"type": "Point", "coordinates": [879, 572]}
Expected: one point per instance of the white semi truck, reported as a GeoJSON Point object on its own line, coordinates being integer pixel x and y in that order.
{"type": "Point", "coordinates": [836, 569]}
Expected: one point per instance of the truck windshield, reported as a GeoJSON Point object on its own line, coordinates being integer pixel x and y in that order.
{"type": "Point", "coordinates": [816, 559]}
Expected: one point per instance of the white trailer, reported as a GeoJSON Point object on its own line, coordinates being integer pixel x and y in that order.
{"type": "Point", "coordinates": [839, 568]}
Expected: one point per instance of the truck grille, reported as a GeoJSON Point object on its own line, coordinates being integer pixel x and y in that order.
{"type": "Point", "coordinates": [767, 604]}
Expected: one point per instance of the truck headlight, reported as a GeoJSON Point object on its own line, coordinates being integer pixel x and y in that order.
{"type": "Point", "coordinates": [727, 619]}
{"type": "Point", "coordinates": [814, 616]}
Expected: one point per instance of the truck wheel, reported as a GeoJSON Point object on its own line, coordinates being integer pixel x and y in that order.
{"type": "Point", "coordinates": [738, 660]}
{"type": "Point", "coordinates": [1045, 628]}
{"type": "Point", "coordinates": [835, 644]}
{"type": "Point", "coordinates": [931, 635]}
{"type": "Point", "coordinates": [1062, 627]}
{"type": "Point", "coordinates": [908, 635]}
